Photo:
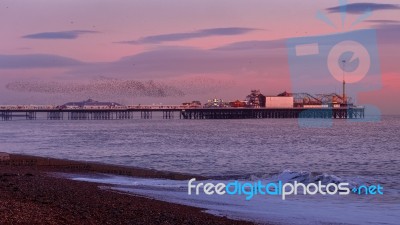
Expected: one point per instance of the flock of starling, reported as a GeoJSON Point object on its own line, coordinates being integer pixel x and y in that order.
{"type": "Point", "coordinates": [116, 88]}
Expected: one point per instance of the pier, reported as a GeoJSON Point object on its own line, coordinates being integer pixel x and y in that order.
{"type": "Point", "coordinates": [260, 113]}
{"type": "Point", "coordinates": [255, 106]}
{"type": "Point", "coordinates": [185, 114]}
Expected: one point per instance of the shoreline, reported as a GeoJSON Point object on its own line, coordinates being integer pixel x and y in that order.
{"type": "Point", "coordinates": [64, 165]}
{"type": "Point", "coordinates": [30, 194]}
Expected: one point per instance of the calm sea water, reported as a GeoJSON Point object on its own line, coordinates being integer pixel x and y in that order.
{"type": "Point", "coordinates": [217, 147]}
{"type": "Point", "coordinates": [358, 152]}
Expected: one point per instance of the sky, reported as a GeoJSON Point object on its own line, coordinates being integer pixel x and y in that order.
{"type": "Point", "coordinates": [158, 51]}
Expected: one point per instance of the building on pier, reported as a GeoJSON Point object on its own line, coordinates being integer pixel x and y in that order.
{"type": "Point", "coordinates": [255, 99]}
{"type": "Point", "coordinates": [216, 103]}
{"type": "Point", "coordinates": [193, 104]}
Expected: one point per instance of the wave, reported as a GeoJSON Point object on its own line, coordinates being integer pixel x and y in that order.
{"type": "Point", "coordinates": [303, 210]}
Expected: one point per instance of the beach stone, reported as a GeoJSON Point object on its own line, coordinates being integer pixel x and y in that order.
{"type": "Point", "coordinates": [4, 156]}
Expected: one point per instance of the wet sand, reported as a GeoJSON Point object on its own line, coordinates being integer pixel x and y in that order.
{"type": "Point", "coordinates": [30, 193]}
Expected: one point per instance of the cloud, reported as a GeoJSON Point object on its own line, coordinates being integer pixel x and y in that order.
{"type": "Point", "coordinates": [157, 39]}
{"type": "Point", "coordinates": [238, 58]}
{"type": "Point", "coordinates": [167, 63]}
{"type": "Point", "coordinates": [250, 58]}
{"type": "Point", "coordinates": [359, 8]}
{"type": "Point", "coordinates": [254, 45]}
{"type": "Point", "coordinates": [388, 30]}
{"type": "Point", "coordinates": [383, 21]}
{"type": "Point", "coordinates": [36, 61]}
{"type": "Point", "coordinates": [72, 34]}
{"type": "Point", "coordinates": [387, 27]}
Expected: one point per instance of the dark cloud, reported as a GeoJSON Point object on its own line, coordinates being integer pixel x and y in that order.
{"type": "Point", "coordinates": [72, 34]}
{"type": "Point", "coordinates": [359, 8]}
{"type": "Point", "coordinates": [36, 61]}
{"type": "Point", "coordinates": [156, 39]}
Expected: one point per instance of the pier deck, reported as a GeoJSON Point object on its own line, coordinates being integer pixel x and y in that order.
{"type": "Point", "coordinates": [191, 113]}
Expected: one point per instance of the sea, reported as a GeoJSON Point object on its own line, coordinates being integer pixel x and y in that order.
{"type": "Point", "coordinates": [359, 152]}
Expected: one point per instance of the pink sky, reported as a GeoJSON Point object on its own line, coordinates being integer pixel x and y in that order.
{"type": "Point", "coordinates": [187, 45]}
